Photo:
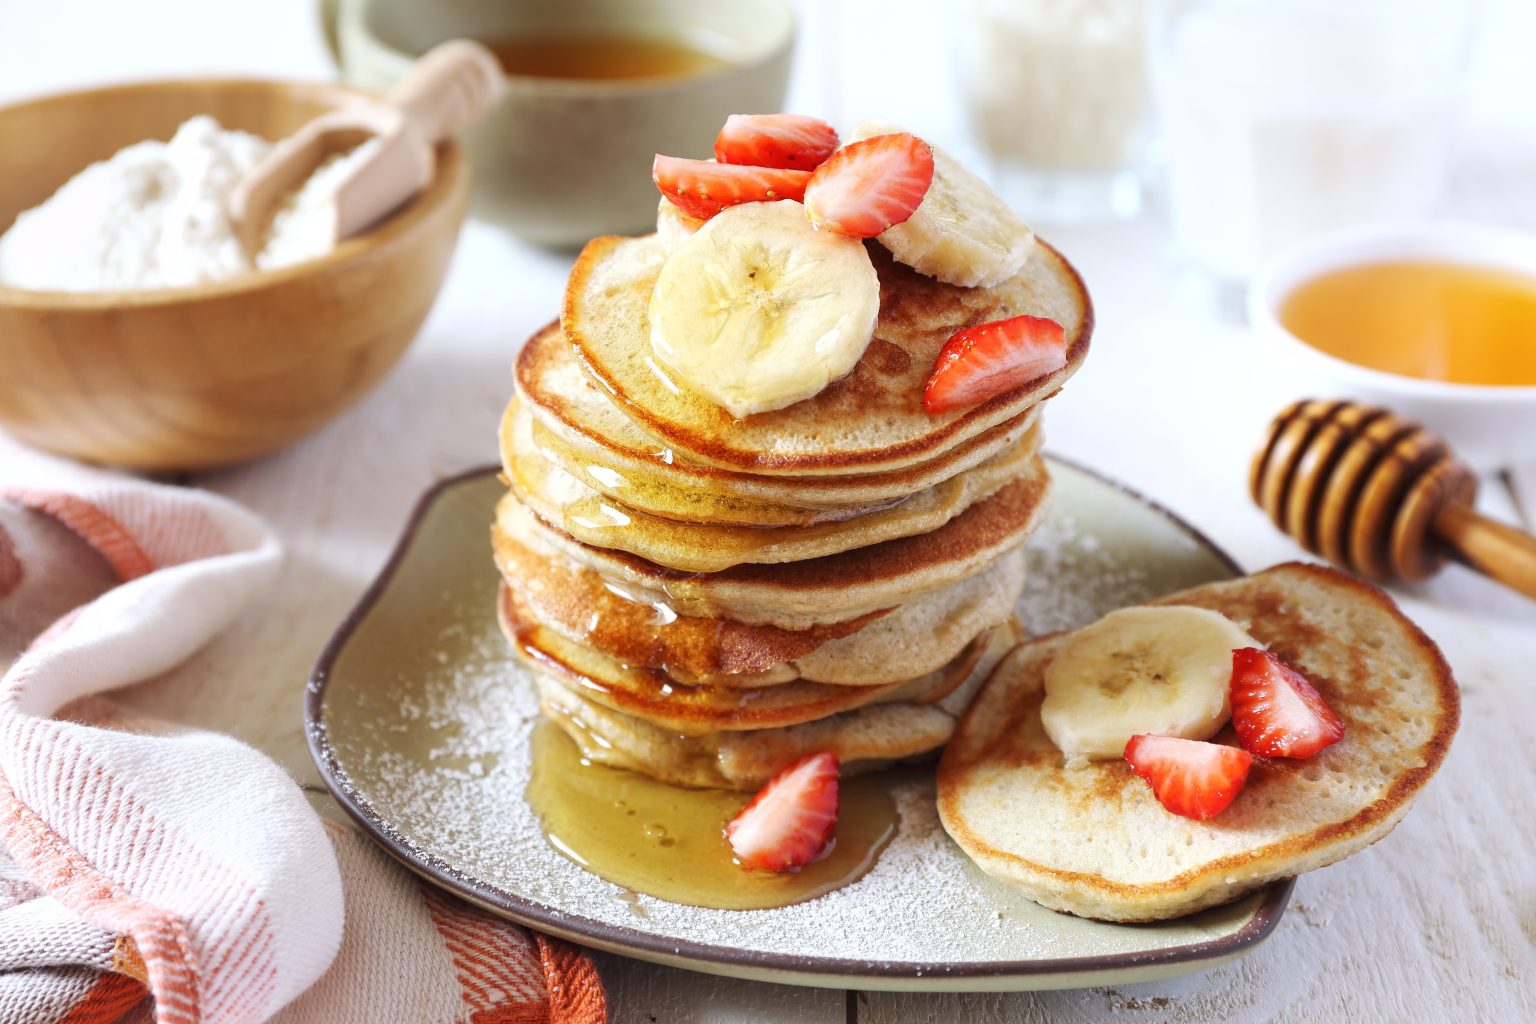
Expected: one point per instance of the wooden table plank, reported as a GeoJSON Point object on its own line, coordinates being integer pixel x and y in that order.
{"type": "Point", "coordinates": [642, 993]}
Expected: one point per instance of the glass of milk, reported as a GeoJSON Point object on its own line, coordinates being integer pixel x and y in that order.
{"type": "Point", "coordinates": [1283, 119]}
{"type": "Point", "coordinates": [1057, 94]}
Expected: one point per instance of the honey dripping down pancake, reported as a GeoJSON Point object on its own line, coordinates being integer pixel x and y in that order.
{"type": "Point", "coordinates": [696, 710]}
{"type": "Point", "coordinates": [874, 649]}
{"type": "Point", "coordinates": [865, 739]}
{"type": "Point", "coordinates": [833, 588]}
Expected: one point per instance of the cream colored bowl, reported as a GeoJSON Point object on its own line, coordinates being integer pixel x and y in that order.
{"type": "Point", "coordinates": [188, 378]}
{"type": "Point", "coordinates": [562, 160]}
{"type": "Point", "coordinates": [1489, 427]}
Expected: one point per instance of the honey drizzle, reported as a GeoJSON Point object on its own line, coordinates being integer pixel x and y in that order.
{"type": "Point", "coordinates": [667, 841]}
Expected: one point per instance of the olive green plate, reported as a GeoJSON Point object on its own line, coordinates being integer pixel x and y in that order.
{"type": "Point", "coordinates": [419, 720]}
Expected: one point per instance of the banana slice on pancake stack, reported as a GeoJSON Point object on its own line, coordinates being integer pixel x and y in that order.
{"type": "Point", "coordinates": [771, 473]}
{"type": "Point", "coordinates": [760, 309]}
{"type": "Point", "coordinates": [962, 233]}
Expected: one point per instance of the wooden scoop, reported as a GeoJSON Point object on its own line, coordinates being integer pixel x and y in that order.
{"type": "Point", "coordinates": [1381, 496]}
{"type": "Point", "coordinates": [450, 88]}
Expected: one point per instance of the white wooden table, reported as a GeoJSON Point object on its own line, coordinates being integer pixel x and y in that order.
{"type": "Point", "coordinates": [1437, 922]}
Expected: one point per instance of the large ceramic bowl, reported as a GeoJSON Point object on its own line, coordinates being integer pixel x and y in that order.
{"type": "Point", "coordinates": [561, 160]}
{"type": "Point", "coordinates": [1490, 427]}
{"type": "Point", "coordinates": [188, 378]}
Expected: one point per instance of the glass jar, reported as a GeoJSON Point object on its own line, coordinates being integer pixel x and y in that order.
{"type": "Point", "coordinates": [1283, 119]}
{"type": "Point", "coordinates": [1057, 94]}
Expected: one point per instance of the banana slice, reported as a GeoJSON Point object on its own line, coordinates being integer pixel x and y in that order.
{"type": "Point", "coordinates": [1164, 671]}
{"type": "Point", "coordinates": [758, 310]}
{"type": "Point", "coordinates": [963, 233]}
{"type": "Point", "coordinates": [673, 226]}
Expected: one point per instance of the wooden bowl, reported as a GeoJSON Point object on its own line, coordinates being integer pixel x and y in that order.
{"type": "Point", "coordinates": [189, 378]}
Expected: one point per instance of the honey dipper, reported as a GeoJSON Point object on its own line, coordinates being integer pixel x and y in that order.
{"type": "Point", "coordinates": [452, 86]}
{"type": "Point", "coordinates": [1381, 496]}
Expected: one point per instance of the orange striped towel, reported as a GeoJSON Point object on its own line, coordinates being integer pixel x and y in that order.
{"type": "Point", "coordinates": [133, 890]}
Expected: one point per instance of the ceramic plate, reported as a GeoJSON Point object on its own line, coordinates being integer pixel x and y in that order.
{"type": "Point", "coordinates": [419, 719]}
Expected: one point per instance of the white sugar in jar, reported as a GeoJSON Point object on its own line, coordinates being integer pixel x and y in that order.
{"type": "Point", "coordinates": [1058, 95]}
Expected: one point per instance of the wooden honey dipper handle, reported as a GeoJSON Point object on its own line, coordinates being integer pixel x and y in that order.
{"type": "Point", "coordinates": [1492, 548]}
{"type": "Point", "coordinates": [1381, 496]}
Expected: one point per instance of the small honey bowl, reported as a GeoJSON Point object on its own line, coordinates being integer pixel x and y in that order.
{"type": "Point", "coordinates": [202, 376]}
{"type": "Point", "coordinates": [1434, 320]}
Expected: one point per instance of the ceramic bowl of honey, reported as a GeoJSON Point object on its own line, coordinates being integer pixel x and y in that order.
{"type": "Point", "coordinates": [594, 90]}
{"type": "Point", "coordinates": [1435, 321]}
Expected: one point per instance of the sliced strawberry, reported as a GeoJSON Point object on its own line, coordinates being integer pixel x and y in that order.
{"type": "Point", "coordinates": [701, 188]}
{"type": "Point", "coordinates": [1192, 778]}
{"type": "Point", "coordinates": [775, 140]}
{"type": "Point", "coordinates": [990, 359]}
{"type": "Point", "coordinates": [1275, 711]}
{"type": "Point", "coordinates": [789, 823]}
{"type": "Point", "coordinates": [870, 185]}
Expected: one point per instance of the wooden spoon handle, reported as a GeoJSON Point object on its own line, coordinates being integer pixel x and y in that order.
{"type": "Point", "coordinates": [1502, 552]}
{"type": "Point", "coordinates": [451, 87]}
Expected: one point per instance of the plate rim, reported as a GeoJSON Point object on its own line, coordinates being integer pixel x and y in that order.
{"type": "Point", "coordinates": [680, 952]}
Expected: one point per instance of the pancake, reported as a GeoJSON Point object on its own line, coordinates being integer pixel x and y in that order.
{"type": "Point", "coordinates": [875, 650]}
{"type": "Point", "coordinates": [1093, 841]}
{"type": "Point", "coordinates": [923, 633]}
{"type": "Point", "coordinates": [835, 588]}
{"type": "Point", "coordinates": [578, 427]}
{"type": "Point", "coordinates": [692, 710]}
{"type": "Point", "coordinates": [579, 604]}
{"type": "Point", "coordinates": [918, 637]}
{"type": "Point", "coordinates": [870, 420]}
{"type": "Point", "coordinates": [864, 739]}
{"type": "Point", "coordinates": [561, 499]}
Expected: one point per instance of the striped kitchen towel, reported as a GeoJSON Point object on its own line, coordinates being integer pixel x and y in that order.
{"type": "Point", "coordinates": [149, 873]}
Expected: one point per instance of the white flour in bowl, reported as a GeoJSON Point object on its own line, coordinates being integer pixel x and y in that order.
{"type": "Point", "coordinates": [155, 215]}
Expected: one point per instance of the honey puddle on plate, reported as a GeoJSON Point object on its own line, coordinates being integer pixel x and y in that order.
{"type": "Point", "coordinates": [668, 842]}
{"type": "Point", "coordinates": [1434, 321]}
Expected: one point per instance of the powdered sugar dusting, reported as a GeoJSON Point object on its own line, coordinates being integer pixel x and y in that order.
{"type": "Point", "coordinates": [434, 738]}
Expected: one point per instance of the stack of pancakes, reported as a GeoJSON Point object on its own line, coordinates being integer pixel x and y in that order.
{"type": "Point", "coordinates": [705, 599]}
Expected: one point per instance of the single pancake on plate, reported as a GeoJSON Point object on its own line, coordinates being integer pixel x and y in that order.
{"type": "Point", "coordinates": [1093, 840]}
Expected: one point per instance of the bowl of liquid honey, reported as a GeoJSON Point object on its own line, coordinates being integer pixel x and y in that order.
{"type": "Point", "coordinates": [594, 90]}
{"type": "Point", "coordinates": [1434, 320]}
